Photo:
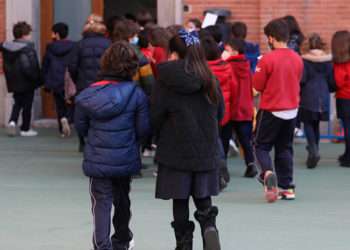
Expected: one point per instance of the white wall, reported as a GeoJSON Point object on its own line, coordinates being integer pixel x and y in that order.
{"type": "Point", "coordinates": [170, 12]}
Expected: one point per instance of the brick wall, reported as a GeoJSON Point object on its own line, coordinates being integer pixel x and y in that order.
{"type": "Point", "coordinates": [322, 16]}
{"type": "Point", "coordinates": [2, 25]}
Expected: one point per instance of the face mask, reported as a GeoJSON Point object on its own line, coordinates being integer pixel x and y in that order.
{"type": "Point", "coordinates": [135, 40]}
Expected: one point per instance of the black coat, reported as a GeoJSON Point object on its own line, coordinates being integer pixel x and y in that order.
{"type": "Point", "coordinates": [84, 65]}
{"type": "Point", "coordinates": [184, 120]}
{"type": "Point", "coordinates": [317, 82]}
{"type": "Point", "coordinates": [21, 66]}
{"type": "Point", "coordinates": [55, 63]}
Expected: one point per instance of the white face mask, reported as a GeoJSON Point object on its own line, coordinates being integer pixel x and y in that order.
{"type": "Point", "coordinates": [135, 40]}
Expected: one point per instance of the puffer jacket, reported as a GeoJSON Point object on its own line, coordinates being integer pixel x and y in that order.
{"type": "Point", "coordinates": [317, 81]}
{"type": "Point", "coordinates": [115, 118]}
{"type": "Point", "coordinates": [55, 63]}
{"type": "Point", "coordinates": [228, 84]}
{"type": "Point", "coordinates": [244, 102]}
{"type": "Point", "coordinates": [21, 66]}
{"type": "Point", "coordinates": [185, 121]}
{"type": "Point", "coordinates": [84, 65]}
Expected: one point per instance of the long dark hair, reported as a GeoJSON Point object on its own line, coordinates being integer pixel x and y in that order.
{"type": "Point", "coordinates": [196, 63]}
{"type": "Point", "coordinates": [341, 46]}
{"type": "Point", "coordinates": [294, 28]}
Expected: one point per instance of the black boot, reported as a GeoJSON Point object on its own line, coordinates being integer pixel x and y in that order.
{"type": "Point", "coordinates": [313, 157]}
{"type": "Point", "coordinates": [183, 235]}
{"type": "Point", "coordinates": [210, 234]}
{"type": "Point", "coordinates": [251, 171]}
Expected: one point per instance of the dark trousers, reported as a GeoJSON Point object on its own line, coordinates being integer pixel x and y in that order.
{"type": "Point", "coordinates": [61, 108]}
{"type": "Point", "coordinates": [181, 210]}
{"type": "Point", "coordinates": [244, 133]}
{"type": "Point", "coordinates": [226, 135]}
{"type": "Point", "coordinates": [24, 103]}
{"type": "Point", "coordinates": [312, 133]}
{"type": "Point", "coordinates": [272, 132]}
{"type": "Point", "coordinates": [346, 124]}
{"type": "Point", "coordinates": [104, 193]}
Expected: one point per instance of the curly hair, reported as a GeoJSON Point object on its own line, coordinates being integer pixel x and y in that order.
{"type": "Point", "coordinates": [120, 60]}
{"type": "Point", "coordinates": [95, 24]}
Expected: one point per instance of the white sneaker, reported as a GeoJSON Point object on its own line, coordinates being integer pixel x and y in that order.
{"type": "Point", "coordinates": [148, 153]}
{"type": "Point", "coordinates": [29, 133]}
{"type": "Point", "coordinates": [66, 131]}
{"type": "Point", "coordinates": [131, 244]}
{"type": "Point", "coordinates": [11, 129]}
{"type": "Point", "coordinates": [298, 132]}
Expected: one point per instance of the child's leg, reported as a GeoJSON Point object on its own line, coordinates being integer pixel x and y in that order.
{"type": "Point", "coordinates": [27, 110]}
{"type": "Point", "coordinates": [284, 155]}
{"type": "Point", "coordinates": [310, 135]}
{"type": "Point", "coordinates": [244, 134]}
{"type": "Point", "coordinates": [226, 135]}
{"type": "Point", "coordinates": [122, 213]}
{"type": "Point", "coordinates": [346, 124]}
{"type": "Point", "coordinates": [183, 228]}
{"type": "Point", "coordinates": [101, 199]}
{"type": "Point", "coordinates": [17, 107]}
{"type": "Point", "coordinates": [61, 108]}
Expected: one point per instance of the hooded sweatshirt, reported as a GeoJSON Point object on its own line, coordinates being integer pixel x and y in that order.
{"type": "Point", "coordinates": [114, 116]}
{"type": "Point", "coordinates": [244, 104]}
{"type": "Point", "coordinates": [342, 79]}
{"type": "Point", "coordinates": [228, 84]}
{"type": "Point", "coordinates": [21, 66]}
{"type": "Point", "coordinates": [55, 62]}
{"type": "Point", "coordinates": [184, 120]}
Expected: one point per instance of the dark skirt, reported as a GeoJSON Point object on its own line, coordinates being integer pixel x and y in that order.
{"type": "Point", "coordinates": [343, 108]}
{"type": "Point", "coordinates": [308, 116]}
{"type": "Point", "coordinates": [175, 184]}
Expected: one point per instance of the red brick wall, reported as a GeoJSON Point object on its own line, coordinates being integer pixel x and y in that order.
{"type": "Point", "coordinates": [322, 16]}
{"type": "Point", "coordinates": [2, 25]}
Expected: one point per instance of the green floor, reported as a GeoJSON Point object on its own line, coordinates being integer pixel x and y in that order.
{"type": "Point", "coordinates": [45, 204]}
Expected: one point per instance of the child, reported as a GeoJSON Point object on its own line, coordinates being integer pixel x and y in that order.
{"type": "Point", "coordinates": [244, 103]}
{"type": "Point", "coordinates": [54, 67]}
{"type": "Point", "coordinates": [277, 78]}
{"type": "Point", "coordinates": [315, 87]}
{"type": "Point", "coordinates": [341, 59]}
{"type": "Point", "coordinates": [228, 84]}
{"type": "Point", "coordinates": [113, 114]}
{"type": "Point", "coordinates": [22, 73]}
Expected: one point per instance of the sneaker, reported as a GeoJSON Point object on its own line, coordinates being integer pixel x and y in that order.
{"type": "Point", "coordinates": [312, 161]}
{"type": "Point", "coordinates": [298, 132]}
{"type": "Point", "coordinates": [29, 133]}
{"type": "Point", "coordinates": [270, 185]}
{"type": "Point", "coordinates": [148, 153]}
{"type": "Point", "coordinates": [66, 131]}
{"type": "Point", "coordinates": [251, 171]}
{"type": "Point", "coordinates": [211, 239]}
{"type": "Point", "coordinates": [11, 129]}
{"type": "Point", "coordinates": [131, 245]}
{"type": "Point", "coordinates": [288, 194]}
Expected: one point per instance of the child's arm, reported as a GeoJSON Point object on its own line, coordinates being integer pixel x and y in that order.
{"type": "Point", "coordinates": [260, 76]}
{"type": "Point", "coordinates": [143, 127]}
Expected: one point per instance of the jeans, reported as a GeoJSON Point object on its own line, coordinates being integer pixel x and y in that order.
{"type": "Point", "coordinates": [24, 103]}
{"type": "Point", "coordinates": [61, 108]}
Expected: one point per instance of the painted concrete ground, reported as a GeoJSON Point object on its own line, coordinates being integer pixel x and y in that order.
{"type": "Point", "coordinates": [45, 204]}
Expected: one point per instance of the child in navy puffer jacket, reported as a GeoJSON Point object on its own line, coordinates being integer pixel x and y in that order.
{"type": "Point", "coordinates": [113, 115]}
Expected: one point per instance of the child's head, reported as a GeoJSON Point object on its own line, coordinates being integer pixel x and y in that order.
{"type": "Point", "coordinates": [126, 30]}
{"type": "Point", "coordinates": [235, 47]}
{"type": "Point", "coordinates": [22, 30]}
{"type": "Point", "coordinates": [314, 41]}
{"type": "Point", "coordinates": [95, 24]}
{"type": "Point", "coordinates": [341, 46]}
{"type": "Point", "coordinates": [119, 60]}
{"type": "Point", "coordinates": [239, 30]}
{"type": "Point", "coordinates": [277, 32]}
{"type": "Point", "coordinates": [215, 32]}
{"type": "Point", "coordinates": [193, 24]}
{"type": "Point", "coordinates": [60, 31]}
{"type": "Point", "coordinates": [211, 49]}
{"type": "Point", "coordinates": [159, 37]}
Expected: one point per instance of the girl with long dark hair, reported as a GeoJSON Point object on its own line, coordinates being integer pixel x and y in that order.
{"type": "Point", "coordinates": [186, 108]}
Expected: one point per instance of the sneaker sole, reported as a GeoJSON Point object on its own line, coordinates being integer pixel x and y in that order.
{"type": "Point", "coordinates": [211, 239]}
{"type": "Point", "coordinates": [65, 128]}
{"type": "Point", "coordinates": [271, 190]}
{"type": "Point", "coordinates": [11, 131]}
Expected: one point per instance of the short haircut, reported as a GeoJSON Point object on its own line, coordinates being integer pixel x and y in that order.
{"type": "Point", "coordinates": [215, 32]}
{"type": "Point", "coordinates": [21, 29]}
{"type": "Point", "coordinates": [341, 46]}
{"type": "Point", "coordinates": [239, 30]}
{"type": "Point", "coordinates": [95, 24]}
{"type": "Point", "coordinates": [278, 29]}
{"type": "Point", "coordinates": [124, 29]}
{"type": "Point", "coordinates": [211, 49]}
{"type": "Point", "coordinates": [196, 22]}
{"type": "Point", "coordinates": [62, 29]}
{"type": "Point", "coordinates": [237, 44]}
{"type": "Point", "coordinates": [120, 60]}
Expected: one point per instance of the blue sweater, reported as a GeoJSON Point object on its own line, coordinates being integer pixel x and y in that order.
{"type": "Point", "coordinates": [114, 117]}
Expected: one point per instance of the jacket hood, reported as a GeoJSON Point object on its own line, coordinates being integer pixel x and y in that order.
{"type": "Point", "coordinates": [174, 76]}
{"type": "Point", "coordinates": [241, 65]}
{"type": "Point", "coordinates": [106, 100]}
{"type": "Point", "coordinates": [61, 48]}
{"type": "Point", "coordinates": [16, 45]}
{"type": "Point", "coordinates": [316, 55]}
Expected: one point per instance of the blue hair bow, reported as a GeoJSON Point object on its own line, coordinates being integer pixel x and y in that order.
{"type": "Point", "coordinates": [190, 38]}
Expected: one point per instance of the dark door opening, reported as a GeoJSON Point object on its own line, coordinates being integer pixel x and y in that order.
{"type": "Point", "coordinates": [130, 7]}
